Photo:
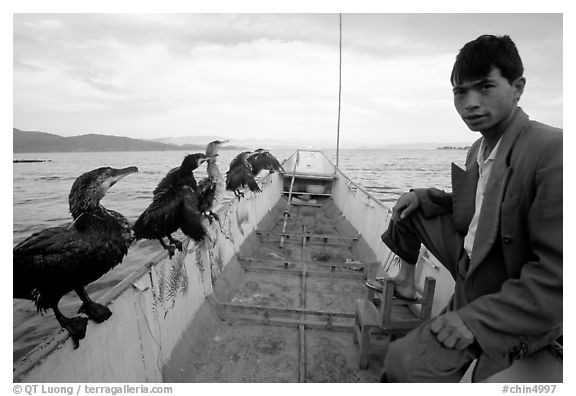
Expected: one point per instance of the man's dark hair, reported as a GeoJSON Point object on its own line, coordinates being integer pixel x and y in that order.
{"type": "Point", "coordinates": [477, 58]}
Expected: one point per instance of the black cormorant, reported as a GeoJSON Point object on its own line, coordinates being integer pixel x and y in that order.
{"type": "Point", "coordinates": [240, 175]}
{"type": "Point", "coordinates": [211, 188]}
{"type": "Point", "coordinates": [174, 206]}
{"type": "Point", "coordinates": [262, 159]}
{"type": "Point", "coordinates": [57, 260]}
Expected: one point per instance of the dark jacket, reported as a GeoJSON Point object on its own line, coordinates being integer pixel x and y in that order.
{"type": "Point", "coordinates": [510, 296]}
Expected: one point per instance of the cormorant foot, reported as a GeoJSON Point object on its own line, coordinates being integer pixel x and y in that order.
{"type": "Point", "coordinates": [215, 216]}
{"type": "Point", "coordinates": [211, 216]}
{"type": "Point", "coordinates": [178, 244]}
{"type": "Point", "coordinates": [97, 312]}
{"type": "Point", "coordinates": [171, 250]}
{"type": "Point", "coordinates": [77, 329]}
{"type": "Point", "coordinates": [239, 194]}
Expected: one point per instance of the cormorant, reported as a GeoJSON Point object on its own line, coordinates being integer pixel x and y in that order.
{"type": "Point", "coordinates": [174, 205]}
{"type": "Point", "coordinates": [262, 159]}
{"type": "Point", "coordinates": [240, 175]}
{"type": "Point", "coordinates": [211, 188]}
{"type": "Point", "coordinates": [57, 260]}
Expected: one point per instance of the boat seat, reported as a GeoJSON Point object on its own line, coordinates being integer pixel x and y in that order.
{"type": "Point", "coordinates": [381, 313]}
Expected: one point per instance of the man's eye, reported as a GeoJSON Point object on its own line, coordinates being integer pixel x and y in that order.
{"type": "Point", "coordinates": [486, 87]}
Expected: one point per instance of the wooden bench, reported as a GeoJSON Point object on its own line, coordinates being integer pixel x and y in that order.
{"type": "Point", "coordinates": [380, 313]}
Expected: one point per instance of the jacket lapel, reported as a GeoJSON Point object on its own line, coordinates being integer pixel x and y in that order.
{"type": "Point", "coordinates": [489, 221]}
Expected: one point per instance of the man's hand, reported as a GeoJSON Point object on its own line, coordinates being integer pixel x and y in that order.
{"type": "Point", "coordinates": [405, 205]}
{"type": "Point", "coordinates": [451, 331]}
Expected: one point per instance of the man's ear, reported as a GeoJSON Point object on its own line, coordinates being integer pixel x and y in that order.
{"type": "Point", "coordinates": [518, 86]}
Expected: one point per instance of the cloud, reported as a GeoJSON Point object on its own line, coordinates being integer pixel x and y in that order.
{"type": "Point", "coordinates": [148, 75]}
{"type": "Point", "coordinates": [45, 24]}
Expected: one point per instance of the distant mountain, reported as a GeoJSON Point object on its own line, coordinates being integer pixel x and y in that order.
{"type": "Point", "coordinates": [185, 140]}
{"type": "Point", "coordinates": [274, 142]}
{"type": "Point", "coordinates": [42, 142]}
{"type": "Point", "coordinates": [251, 143]}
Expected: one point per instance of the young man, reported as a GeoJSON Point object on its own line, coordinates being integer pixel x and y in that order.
{"type": "Point", "coordinates": [499, 232]}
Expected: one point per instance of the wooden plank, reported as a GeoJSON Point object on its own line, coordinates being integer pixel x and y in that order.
{"type": "Point", "coordinates": [322, 263]}
{"type": "Point", "coordinates": [287, 310]}
{"type": "Point", "coordinates": [317, 205]}
{"type": "Point", "coordinates": [307, 235]}
{"type": "Point", "coordinates": [302, 355]}
{"type": "Point", "coordinates": [307, 193]}
{"type": "Point", "coordinates": [367, 313]}
{"type": "Point", "coordinates": [301, 330]}
{"type": "Point", "coordinates": [285, 263]}
{"type": "Point", "coordinates": [311, 176]}
{"type": "Point", "coordinates": [345, 244]}
{"type": "Point", "coordinates": [297, 272]}
{"type": "Point", "coordinates": [296, 323]}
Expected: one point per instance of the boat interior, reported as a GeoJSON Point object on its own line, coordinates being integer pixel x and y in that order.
{"type": "Point", "coordinates": [284, 310]}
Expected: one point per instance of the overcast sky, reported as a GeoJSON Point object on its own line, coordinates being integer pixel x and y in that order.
{"type": "Point", "coordinates": [266, 75]}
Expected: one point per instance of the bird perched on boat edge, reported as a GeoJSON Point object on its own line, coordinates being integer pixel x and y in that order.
{"type": "Point", "coordinates": [54, 261]}
{"type": "Point", "coordinates": [262, 159]}
{"type": "Point", "coordinates": [211, 188]}
{"type": "Point", "coordinates": [240, 175]}
{"type": "Point", "coordinates": [174, 206]}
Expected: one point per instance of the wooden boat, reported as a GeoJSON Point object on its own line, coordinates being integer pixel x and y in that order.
{"type": "Point", "coordinates": [272, 296]}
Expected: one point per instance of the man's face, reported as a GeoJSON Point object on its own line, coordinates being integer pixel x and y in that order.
{"type": "Point", "coordinates": [485, 103]}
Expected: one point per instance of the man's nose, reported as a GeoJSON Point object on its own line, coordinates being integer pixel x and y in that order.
{"type": "Point", "coordinates": [472, 100]}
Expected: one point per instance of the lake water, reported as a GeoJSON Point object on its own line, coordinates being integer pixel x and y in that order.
{"type": "Point", "coordinates": [40, 200]}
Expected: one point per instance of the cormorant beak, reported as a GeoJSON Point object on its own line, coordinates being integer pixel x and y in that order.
{"type": "Point", "coordinates": [222, 142]}
{"type": "Point", "coordinates": [117, 174]}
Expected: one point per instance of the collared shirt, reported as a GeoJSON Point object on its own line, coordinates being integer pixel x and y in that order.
{"type": "Point", "coordinates": [485, 168]}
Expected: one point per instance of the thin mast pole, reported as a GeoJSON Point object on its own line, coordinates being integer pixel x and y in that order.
{"type": "Point", "coordinates": [339, 95]}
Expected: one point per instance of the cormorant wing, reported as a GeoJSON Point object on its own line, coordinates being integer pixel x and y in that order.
{"type": "Point", "coordinates": [162, 216]}
{"type": "Point", "coordinates": [206, 193]}
{"type": "Point", "coordinates": [252, 185]}
{"type": "Point", "coordinates": [52, 258]}
{"type": "Point", "coordinates": [263, 160]}
{"type": "Point", "coordinates": [241, 177]}
{"type": "Point", "coordinates": [167, 181]}
{"type": "Point", "coordinates": [191, 218]}
{"type": "Point", "coordinates": [238, 161]}
{"type": "Point", "coordinates": [53, 240]}
{"type": "Point", "coordinates": [175, 179]}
